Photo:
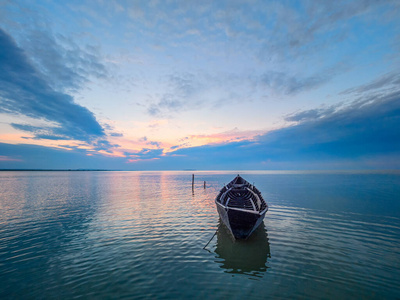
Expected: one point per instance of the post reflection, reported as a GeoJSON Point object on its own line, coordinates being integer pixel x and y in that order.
{"type": "Point", "coordinates": [247, 257]}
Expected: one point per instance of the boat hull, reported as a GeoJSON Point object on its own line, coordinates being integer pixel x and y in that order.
{"type": "Point", "coordinates": [241, 224]}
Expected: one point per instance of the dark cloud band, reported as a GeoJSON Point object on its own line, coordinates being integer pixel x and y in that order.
{"type": "Point", "coordinates": [24, 91]}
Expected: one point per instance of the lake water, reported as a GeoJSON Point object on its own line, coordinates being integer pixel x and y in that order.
{"type": "Point", "coordinates": [140, 235]}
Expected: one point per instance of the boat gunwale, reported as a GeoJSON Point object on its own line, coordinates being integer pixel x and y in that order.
{"type": "Point", "coordinates": [243, 210]}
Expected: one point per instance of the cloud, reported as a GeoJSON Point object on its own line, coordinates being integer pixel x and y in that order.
{"type": "Point", "coordinates": [311, 114]}
{"type": "Point", "coordinates": [116, 134]}
{"type": "Point", "coordinates": [144, 140]}
{"type": "Point", "coordinates": [248, 22]}
{"type": "Point", "coordinates": [222, 137]}
{"type": "Point", "coordinates": [222, 38]}
{"type": "Point", "coordinates": [104, 145]}
{"type": "Point", "coordinates": [387, 83]}
{"type": "Point", "coordinates": [182, 93]}
{"type": "Point", "coordinates": [25, 91]}
{"type": "Point", "coordinates": [362, 128]}
{"type": "Point", "coordinates": [144, 154]}
{"type": "Point", "coordinates": [191, 91]}
{"type": "Point", "coordinates": [361, 135]}
{"type": "Point", "coordinates": [288, 84]}
{"type": "Point", "coordinates": [110, 129]}
{"type": "Point", "coordinates": [352, 136]}
{"type": "Point", "coordinates": [168, 103]}
{"type": "Point", "coordinates": [291, 83]}
{"type": "Point", "coordinates": [314, 26]}
{"type": "Point", "coordinates": [23, 156]}
{"type": "Point", "coordinates": [62, 63]}
{"type": "Point", "coordinates": [270, 47]}
{"type": "Point", "coordinates": [155, 143]}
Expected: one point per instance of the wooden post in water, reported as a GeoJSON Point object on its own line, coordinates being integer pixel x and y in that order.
{"type": "Point", "coordinates": [204, 185]}
{"type": "Point", "coordinates": [192, 181]}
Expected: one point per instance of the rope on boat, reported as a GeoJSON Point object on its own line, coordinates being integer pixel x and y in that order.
{"type": "Point", "coordinates": [211, 237]}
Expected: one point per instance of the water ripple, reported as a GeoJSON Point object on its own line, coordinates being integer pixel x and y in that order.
{"type": "Point", "coordinates": [140, 235]}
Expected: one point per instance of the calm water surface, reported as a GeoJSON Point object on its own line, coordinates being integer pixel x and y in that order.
{"type": "Point", "coordinates": [140, 235]}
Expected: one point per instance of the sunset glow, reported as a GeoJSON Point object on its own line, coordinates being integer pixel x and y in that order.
{"type": "Point", "coordinates": [167, 85]}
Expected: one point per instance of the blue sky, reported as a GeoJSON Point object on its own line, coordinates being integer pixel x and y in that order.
{"type": "Point", "coordinates": [154, 85]}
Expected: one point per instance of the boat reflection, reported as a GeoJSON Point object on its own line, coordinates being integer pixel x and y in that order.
{"type": "Point", "coordinates": [243, 256]}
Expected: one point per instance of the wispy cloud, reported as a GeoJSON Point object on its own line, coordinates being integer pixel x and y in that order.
{"type": "Point", "coordinates": [290, 84]}
{"type": "Point", "coordinates": [64, 65]}
{"type": "Point", "coordinates": [315, 26]}
{"type": "Point", "coordinates": [144, 154]}
{"type": "Point", "coordinates": [201, 90]}
{"type": "Point", "coordinates": [182, 94]}
{"type": "Point", "coordinates": [225, 137]}
{"type": "Point", "coordinates": [387, 83]}
{"type": "Point", "coordinates": [311, 114]}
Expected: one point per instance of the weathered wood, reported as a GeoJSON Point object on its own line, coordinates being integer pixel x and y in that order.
{"type": "Point", "coordinates": [241, 207]}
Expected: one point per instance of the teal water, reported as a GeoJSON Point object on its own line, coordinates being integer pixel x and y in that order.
{"type": "Point", "coordinates": [139, 235]}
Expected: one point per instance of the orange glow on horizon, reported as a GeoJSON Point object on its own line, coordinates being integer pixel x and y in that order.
{"type": "Point", "coordinates": [217, 138]}
{"type": "Point", "coordinates": [132, 148]}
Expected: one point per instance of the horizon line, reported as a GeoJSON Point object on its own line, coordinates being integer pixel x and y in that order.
{"type": "Point", "coordinates": [230, 170]}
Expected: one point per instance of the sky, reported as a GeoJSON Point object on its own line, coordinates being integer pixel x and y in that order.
{"type": "Point", "coordinates": [205, 85]}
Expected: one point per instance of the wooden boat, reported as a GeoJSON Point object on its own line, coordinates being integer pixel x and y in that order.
{"type": "Point", "coordinates": [241, 207]}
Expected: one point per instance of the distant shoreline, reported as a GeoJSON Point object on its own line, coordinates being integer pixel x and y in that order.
{"type": "Point", "coordinates": [362, 171]}
{"type": "Point", "coordinates": [61, 170]}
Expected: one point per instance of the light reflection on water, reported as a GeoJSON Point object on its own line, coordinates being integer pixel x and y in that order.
{"type": "Point", "coordinates": [141, 234]}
